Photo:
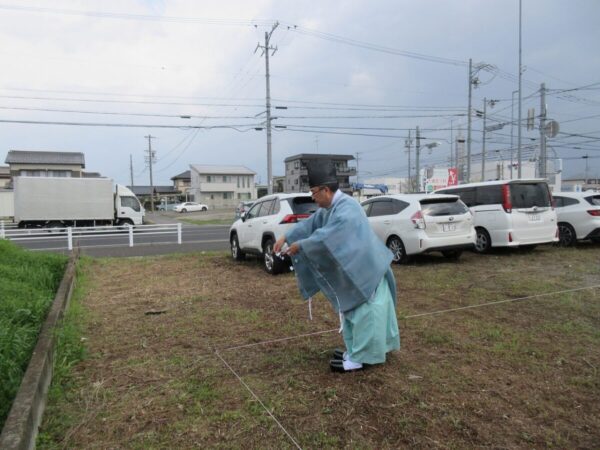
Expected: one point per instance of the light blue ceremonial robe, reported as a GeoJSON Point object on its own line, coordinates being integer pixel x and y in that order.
{"type": "Point", "coordinates": [341, 256]}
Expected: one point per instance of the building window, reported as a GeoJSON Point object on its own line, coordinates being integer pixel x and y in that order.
{"type": "Point", "coordinates": [212, 196]}
{"type": "Point", "coordinates": [224, 178]}
{"type": "Point", "coordinates": [238, 182]}
{"type": "Point", "coordinates": [227, 195]}
{"type": "Point", "coordinates": [208, 179]}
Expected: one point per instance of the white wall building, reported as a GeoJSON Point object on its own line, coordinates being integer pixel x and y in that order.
{"type": "Point", "coordinates": [221, 186]}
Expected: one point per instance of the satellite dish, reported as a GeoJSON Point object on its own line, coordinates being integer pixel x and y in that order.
{"type": "Point", "coordinates": [551, 129]}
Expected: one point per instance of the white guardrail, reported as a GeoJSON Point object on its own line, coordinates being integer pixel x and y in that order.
{"type": "Point", "coordinates": [10, 231]}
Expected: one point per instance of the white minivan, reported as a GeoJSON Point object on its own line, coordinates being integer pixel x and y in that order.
{"type": "Point", "coordinates": [509, 213]}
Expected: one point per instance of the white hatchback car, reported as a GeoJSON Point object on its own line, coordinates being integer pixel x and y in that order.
{"type": "Point", "coordinates": [578, 216]}
{"type": "Point", "coordinates": [410, 224]}
{"type": "Point", "coordinates": [190, 207]}
{"type": "Point", "coordinates": [256, 231]}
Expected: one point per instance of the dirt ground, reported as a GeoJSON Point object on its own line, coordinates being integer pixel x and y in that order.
{"type": "Point", "coordinates": [520, 374]}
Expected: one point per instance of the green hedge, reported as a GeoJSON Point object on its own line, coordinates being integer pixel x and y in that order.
{"type": "Point", "coordinates": [28, 284]}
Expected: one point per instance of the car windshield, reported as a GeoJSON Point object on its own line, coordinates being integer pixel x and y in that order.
{"type": "Point", "coordinates": [442, 207]}
{"type": "Point", "coordinates": [302, 205]}
{"type": "Point", "coordinates": [528, 195]}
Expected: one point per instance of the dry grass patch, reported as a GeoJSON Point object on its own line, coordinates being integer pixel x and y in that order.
{"type": "Point", "coordinates": [521, 374]}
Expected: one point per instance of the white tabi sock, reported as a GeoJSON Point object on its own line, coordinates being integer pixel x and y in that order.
{"type": "Point", "coordinates": [351, 365]}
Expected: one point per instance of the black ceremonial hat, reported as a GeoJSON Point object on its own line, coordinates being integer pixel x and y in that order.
{"type": "Point", "coordinates": [321, 172]}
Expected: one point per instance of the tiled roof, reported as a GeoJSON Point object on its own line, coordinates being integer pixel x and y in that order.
{"type": "Point", "coordinates": [187, 175]}
{"type": "Point", "coordinates": [319, 156]}
{"type": "Point", "coordinates": [146, 190]}
{"type": "Point", "coordinates": [35, 157]}
{"type": "Point", "coordinates": [222, 170]}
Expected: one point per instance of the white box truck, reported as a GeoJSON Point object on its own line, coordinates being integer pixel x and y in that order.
{"type": "Point", "coordinates": [63, 202]}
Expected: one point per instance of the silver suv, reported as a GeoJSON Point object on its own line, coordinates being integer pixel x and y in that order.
{"type": "Point", "coordinates": [256, 231]}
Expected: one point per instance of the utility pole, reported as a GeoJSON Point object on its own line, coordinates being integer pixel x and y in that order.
{"type": "Point", "coordinates": [357, 179]}
{"type": "Point", "coordinates": [266, 49]}
{"type": "Point", "coordinates": [586, 157]}
{"type": "Point", "coordinates": [519, 119]}
{"type": "Point", "coordinates": [408, 144]}
{"type": "Point", "coordinates": [469, 122]}
{"type": "Point", "coordinates": [451, 143]}
{"type": "Point", "coordinates": [417, 168]}
{"type": "Point", "coordinates": [512, 125]}
{"type": "Point", "coordinates": [483, 147]}
{"type": "Point", "coordinates": [543, 162]}
{"type": "Point", "coordinates": [131, 169]}
{"type": "Point", "coordinates": [150, 159]}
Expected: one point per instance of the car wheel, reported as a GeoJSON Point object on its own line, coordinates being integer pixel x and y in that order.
{"type": "Point", "coordinates": [183, 210]}
{"type": "Point", "coordinates": [483, 243]}
{"type": "Point", "coordinates": [566, 235]}
{"type": "Point", "coordinates": [236, 253]}
{"type": "Point", "coordinates": [204, 209]}
{"type": "Point", "coordinates": [272, 264]}
{"type": "Point", "coordinates": [394, 243]}
{"type": "Point", "coordinates": [452, 254]}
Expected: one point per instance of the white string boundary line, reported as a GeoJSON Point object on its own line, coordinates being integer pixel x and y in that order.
{"type": "Point", "coordinates": [460, 308]}
{"type": "Point", "coordinates": [258, 399]}
{"type": "Point", "coordinates": [255, 344]}
{"type": "Point", "coordinates": [335, 329]}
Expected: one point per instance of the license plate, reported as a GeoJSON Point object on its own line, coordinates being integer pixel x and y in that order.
{"type": "Point", "coordinates": [448, 227]}
{"type": "Point", "coordinates": [535, 218]}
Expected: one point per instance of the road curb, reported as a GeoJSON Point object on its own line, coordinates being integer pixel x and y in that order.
{"type": "Point", "coordinates": [21, 426]}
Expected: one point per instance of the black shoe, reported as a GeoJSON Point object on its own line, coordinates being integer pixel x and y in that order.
{"type": "Point", "coordinates": [337, 365]}
{"type": "Point", "coordinates": [338, 353]}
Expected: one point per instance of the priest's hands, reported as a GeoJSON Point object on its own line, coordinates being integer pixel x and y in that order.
{"type": "Point", "coordinates": [291, 250]}
{"type": "Point", "coordinates": [279, 244]}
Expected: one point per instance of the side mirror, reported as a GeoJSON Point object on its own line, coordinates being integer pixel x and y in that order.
{"type": "Point", "coordinates": [243, 216]}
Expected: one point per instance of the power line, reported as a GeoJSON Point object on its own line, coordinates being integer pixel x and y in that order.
{"type": "Point", "coordinates": [133, 125]}
{"type": "Point", "coordinates": [79, 111]}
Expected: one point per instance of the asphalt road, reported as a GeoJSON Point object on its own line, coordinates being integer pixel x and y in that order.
{"type": "Point", "coordinates": [194, 238]}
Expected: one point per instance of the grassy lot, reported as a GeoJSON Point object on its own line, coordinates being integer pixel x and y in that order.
{"type": "Point", "coordinates": [28, 284]}
{"type": "Point", "coordinates": [520, 374]}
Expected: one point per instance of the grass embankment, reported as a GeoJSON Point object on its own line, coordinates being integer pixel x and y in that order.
{"type": "Point", "coordinates": [70, 349]}
{"type": "Point", "coordinates": [28, 284]}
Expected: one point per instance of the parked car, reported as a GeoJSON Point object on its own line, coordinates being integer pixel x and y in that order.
{"type": "Point", "coordinates": [243, 207]}
{"type": "Point", "coordinates": [190, 207]}
{"type": "Point", "coordinates": [509, 213]}
{"type": "Point", "coordinates": [578, 216]}
{"type": "Point", "coordinates": [410, 224]}
{"type": "Point", "coordinates": [257, 230]}
{"type": "Point", "coordinates": [167, 206]}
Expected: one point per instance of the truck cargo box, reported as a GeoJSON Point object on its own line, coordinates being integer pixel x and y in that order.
{"type": "Point", "coordinates": [53, 198]}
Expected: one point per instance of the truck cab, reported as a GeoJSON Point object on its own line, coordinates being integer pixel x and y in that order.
{"type": "Point", "coordinates": [128, 209]}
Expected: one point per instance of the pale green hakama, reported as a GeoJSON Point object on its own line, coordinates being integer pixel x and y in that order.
{"type": "Point", "coordinates": [371, 329]}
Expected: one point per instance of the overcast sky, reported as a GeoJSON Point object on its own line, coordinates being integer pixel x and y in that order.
{"type": "Point", "coordinates": [355, 77]}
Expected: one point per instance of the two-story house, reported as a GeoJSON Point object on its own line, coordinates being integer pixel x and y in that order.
{"type": "Point", "coordinates": [221, 186]}
{"type": "Point", "coordinates": [296, 175]}
{"type": "Point", "coordinates": [182, 182]}
{"type": "Point", "coordinates": [45, 164]}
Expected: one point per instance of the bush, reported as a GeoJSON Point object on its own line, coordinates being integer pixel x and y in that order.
{"type": "Point", "coordinates": [28, 284]}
